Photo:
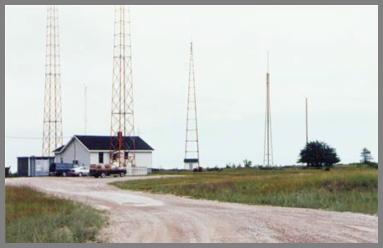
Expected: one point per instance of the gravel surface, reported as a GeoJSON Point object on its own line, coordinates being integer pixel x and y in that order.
{"type": "Point", "coordinates": [143, 217]}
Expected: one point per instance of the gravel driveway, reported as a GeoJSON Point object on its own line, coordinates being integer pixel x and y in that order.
{"type": "Point", "coordinates": [143, 217]}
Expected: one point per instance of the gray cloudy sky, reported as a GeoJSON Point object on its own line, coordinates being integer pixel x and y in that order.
{"type": "Point", "coordinates": [327, 53]}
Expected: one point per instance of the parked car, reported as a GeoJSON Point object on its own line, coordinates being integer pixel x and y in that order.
{"type": "Point", "coordinates": [61, 169]}
{"type": "Point", "coordinates": [79, 171]}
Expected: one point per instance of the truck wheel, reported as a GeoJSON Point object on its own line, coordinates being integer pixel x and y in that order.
{"type": "Point", "coordinates": [64, 174]}
{"type": "Point", "coordinates": [80, 174]}
{"type": "Point", "coordinates": [122, 174]}
{"type": "Point", "coordinates": [103, 175]}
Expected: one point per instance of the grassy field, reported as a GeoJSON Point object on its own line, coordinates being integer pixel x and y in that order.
{"type": "Point", "coordinates": [340, 189]}
{"type": "Point", "coordinates": [34, 217]}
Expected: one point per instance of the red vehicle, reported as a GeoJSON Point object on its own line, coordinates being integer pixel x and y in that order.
{"type": "Point", "coordinates": [106, 170]}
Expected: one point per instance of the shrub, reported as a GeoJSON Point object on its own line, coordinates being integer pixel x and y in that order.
{"type": "Point", "coordinates": [318, 154]}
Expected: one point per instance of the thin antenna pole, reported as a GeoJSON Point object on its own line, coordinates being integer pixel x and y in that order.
{"type": "Point", "coordinates": [268, 144]}
{"type": "Point", "coordinates": [85, 109]}
{"type": "Point", "coordinates": [307, 123]}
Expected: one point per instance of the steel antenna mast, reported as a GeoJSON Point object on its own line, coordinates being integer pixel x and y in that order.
{"type": "Point", "coordinates": [85, 109]}
{"type": "Point", "coordinates": [268, 141]}
{"type": "Point", "coordinates": [122, 113]}
{"type": "Point", "coordinates": [52, 120]}
{"type": "Point", "coordinates": [307, 123]}
{"type": "Point", "coordinates": [191, 140]}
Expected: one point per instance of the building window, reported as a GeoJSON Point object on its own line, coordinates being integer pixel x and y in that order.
{"type": "Point", "coordinates": [126, 155]}
{"type": "Point", "coordinates": [100, 157]}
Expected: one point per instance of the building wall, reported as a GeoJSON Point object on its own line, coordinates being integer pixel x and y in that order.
{"type": "Point", "coordinates": [75, 151]}
{"type": "Point", "coordinates": [33, 166]}
{"type": "Point", "coordinates": [106, 158]}
{"type": "Point", "coordinates": [144, 159]}
{"type": "Point", "coordinates": [40, 167]}
{"type": "Point", "coordinates": [95, 160]}
{"type": "Point", "coordinates": [23, 167]}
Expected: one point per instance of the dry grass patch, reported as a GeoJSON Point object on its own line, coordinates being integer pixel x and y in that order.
{"type": "Point", "coordinates": [340, 189]}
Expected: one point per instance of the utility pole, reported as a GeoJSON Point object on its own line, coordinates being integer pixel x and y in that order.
{"type": "Point", "coordinates": [122, 113]}
{"type": "Point", "coordinates": [268, 141]}
{"type": "Point", "coordinates": [191, 141]}
{"type": "Point", "coordinates": [52, 120]}
{"type": "Point", "coordinates": [307, 124]}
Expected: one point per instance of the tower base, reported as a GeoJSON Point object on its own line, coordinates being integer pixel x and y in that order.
{"type": "Point", "coordinates": [191, 163]}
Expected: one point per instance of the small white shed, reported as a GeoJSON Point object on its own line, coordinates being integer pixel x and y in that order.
{"type": "Point", "coordinates": [90, 149]}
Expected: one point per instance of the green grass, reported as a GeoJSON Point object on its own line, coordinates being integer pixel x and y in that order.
{"type": "Point", "coordinates": [340, 189]}
{"type": "Point", "coordinates": [34, 217]}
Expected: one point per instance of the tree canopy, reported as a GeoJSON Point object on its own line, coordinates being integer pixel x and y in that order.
{"type": "Point", "coordinates": [318, 154]}
{"type": "Point", "coordinates": [366, 156]}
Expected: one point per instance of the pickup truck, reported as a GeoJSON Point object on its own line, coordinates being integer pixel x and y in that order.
{"type": "Point", "coordinates": [61, 169]}
{"type": "Point", "coordinates": [106, 170]}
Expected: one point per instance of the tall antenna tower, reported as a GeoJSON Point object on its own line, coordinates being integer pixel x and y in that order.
{"type": "Point", "coordinates": [52, 120]}
{"type": "Point", "coordinates": [191, 141]}
{"type": "Point", "coordinates": [85, 109]}
{"type": "Point", "coordinates": [268, 141]}
{"type": "Point", "coordinates": [307, 123]}
{"type": "Point", "coordinates": [122, 114]}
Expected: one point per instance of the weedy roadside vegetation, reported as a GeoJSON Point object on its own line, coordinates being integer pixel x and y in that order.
{"type": "Point", "coordinates": [343, 188]}
{"type": "Point", "coordinates": [34, 217]}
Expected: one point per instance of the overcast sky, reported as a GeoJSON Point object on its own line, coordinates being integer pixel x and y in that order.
{"type": "Point", "coordinates": [327, 53]}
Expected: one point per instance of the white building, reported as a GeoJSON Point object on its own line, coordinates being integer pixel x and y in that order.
{"type": "Point", "coordinates": [86, 150]}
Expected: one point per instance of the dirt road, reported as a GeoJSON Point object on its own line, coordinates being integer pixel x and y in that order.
{"type": "Point", "coordinates": [144, 217]}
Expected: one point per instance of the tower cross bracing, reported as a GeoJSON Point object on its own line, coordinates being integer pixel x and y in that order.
{"type": "Point", "coordinates": [52, 119]}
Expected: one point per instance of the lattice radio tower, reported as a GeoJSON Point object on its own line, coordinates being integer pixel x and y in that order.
{"type": "Point", "coordinates": [122, 114]}
{"type": "Point", "coordinates": [268, 141]}
{"type": "Point", "coordinates": [52, 120]}
{"type": "Point", "coordinates": [191, 141]}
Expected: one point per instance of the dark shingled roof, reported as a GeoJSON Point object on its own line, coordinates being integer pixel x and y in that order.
{"type": "Point", "coordinates": [58, 148]}
{"type": "Point", "coordinates": [104, 142]}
